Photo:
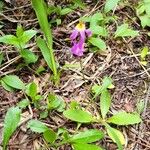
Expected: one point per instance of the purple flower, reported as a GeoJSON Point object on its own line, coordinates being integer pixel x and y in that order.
{"type": "Point", "coordinates": [78, 38]}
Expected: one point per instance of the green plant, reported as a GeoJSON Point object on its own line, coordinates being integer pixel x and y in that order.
{"type": "Point", "coordinates": [62, 137]}
{"type": "Point", "coordinates": [11, 121]}
{"type": "Point", "coordinates": [143, 54]}
{"type": "Point", "coordinates": [124, 31]}
{"type": "Point", "coordinates": [20, 42]}
{"type": "Point", "coordinates": [46, 47]}
{"type": "Point", "coordinates": [82, 116]}
{"type": "Point", "coordinates": [11, 82]}
{"type": "Point", "coordinates": [143, 12]}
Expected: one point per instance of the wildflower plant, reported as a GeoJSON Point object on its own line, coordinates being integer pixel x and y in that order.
{"type": "Point", "coordinates": [78, 38]}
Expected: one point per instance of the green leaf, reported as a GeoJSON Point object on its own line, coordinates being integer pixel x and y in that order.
{"type": "Point", "coordinates": [78, 115]}
{"type": "Point", "coordinates": [105, 102]}
{"type": "Point", "coordinates": [50, 136]}
{"type": "Point", "coordinates": [31, 90]}
{"type": "Point", "coordinates": [40, 10]}
{"type": "Point", "coordinates": [79, 3]}
{"type": "Point", "coordinates": [23, 103]}
{"type": "Point", "coordinates": [124, 31]}
{"type": "Point", "coordinates": [144, 63]}
{"type": "Point", "coordinates": [9, 39]}
{"type": "Point", "coordinates": [87, 136]}
{"type": "Point", "coordinates": [26, 36]}
{"type": "Point", "coordinates": [13, 81]}
{"type": "Point", "coordinates": [37, 126]}
{"type": "Point", "coordinates": [45, 51]}
{"type": "Point", "coordinates": [84, 146]}
{"type": "Point", "coordinates": [98, 43]}
{"type": "Point", "coordinates": [145, 20]}
{"type": "Point", "coordinates": [65, 11]}
{"type": "Point", "coordinates": [110, 5]}
{"type": "Point", "coordinates": [117, 133]}
{"type": "Point", "coordinates": [99, 30]}
{"type": "Point", "coordinates": [106, 82]}
{"type": "Point", "coordinates": [115, 136]}
{"type": "Point", "coordinates": [144, 52]}
{"type": "Point", "coordinates": [124, 118]}
{"type": "Point", "coordinates": [53, 101]}
{"type": "Point", "coordinates": [11, 121]}
{"type": "Point", "coordinates": [6, 87]}
{"type": "Point", "coordinates": [94, 20]}
{"type": "Point", "coordinates": [19, 31]}
{"type": "Point", "coordinates": [46, 48]}
{"type": "Point", "coordinates": [28, 56]}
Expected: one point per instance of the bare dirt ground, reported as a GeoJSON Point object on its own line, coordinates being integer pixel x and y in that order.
{"type": "Point", "coordinates": [120, 62]}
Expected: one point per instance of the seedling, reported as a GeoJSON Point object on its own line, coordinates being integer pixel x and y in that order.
{"type": "Point", "coordinates": [20, 41]}
{"type": "Point", "coordinates": [82, 116]}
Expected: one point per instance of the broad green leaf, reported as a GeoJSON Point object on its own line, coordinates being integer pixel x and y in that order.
{"type": "Point", "coordinates": [1, 58]}
{"type": "Point", "coordinates": [45, 51]}
{"type": "Point", "coordinates": [53, 101]}
{"type": "Point", "coordinates": [118, 134]}
{"type": "Point", "coordinates": [19, 31]}
{"type": "Point", "coordinates": [26, 36]}
{"type": "Point", "coordinates": [124, 31]}
{"type": "Point", "coordinates": [79, 3]}
{"type": "Point", "coordinates": [28, 56]}
{"type": "Point", "coordinates": [106, 82]}
{"type": "Point", "coordinates": [114, 136]}
{"type": "Point", "coordinates": [99, 30]}
{"type": "Point", "coordinates": [140, 10]}
{"type": "Point", "coordinates": [11, 121]}
{"type": "Point", "coordinates": [144, 52]}
{"type": "Point", "coordinates": [144, 63]}
{"type": "Point", "coordinates": [6, 87]}
{"type": "Point", "coordinates": [148, 33]}
{"type": "Point", "coordinates": [110, 5]}
{"type": "Point", "coordinates": [37, 126]}
{"type": "Point", "coordinates": [146, 4]}
{"type": "Point", "coordinates": [84, 146]}
{"type": "Point", "coordinates": [31, 90]}
{"type": "Point", "coordinates": [105, 102]}
{"type": "Point", "coordinates": [9, 39]}
{"type": "Point", "coordinates": [23, 103]}
{"type": "Point", "coordinates": [124, 118]}
{"type": "Point", "coordinates": [65, 11]}
{"type": "Point", "coordinates": [44, 114]}
{"type": "Point", "coordinates": [87, 136]}
{"type": "Point", "coordinates": [13, 81]}
{"type": "Point", "coordinates": [96, 88]}
{"type": "Point", "coordinates": [98, 43]}
{"type": "Point", "coordinates": [50, 136]}
{"type": "Point", "coordinates": [145, 20]}
{"type": "Point", "coordinates": [95, 19]}
{"type": "Point", "coordinates": [78, 115]}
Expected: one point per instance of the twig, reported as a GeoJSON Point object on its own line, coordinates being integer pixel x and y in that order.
{"type": "Point", "coordinates": [137, 58]}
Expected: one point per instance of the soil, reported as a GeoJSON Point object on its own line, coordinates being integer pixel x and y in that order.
{"type": "Point", "coordinates": [120, 62]}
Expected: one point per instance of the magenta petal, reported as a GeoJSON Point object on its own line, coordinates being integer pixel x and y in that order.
{"type": "Point", "coordinates": [88, 32]}
{"type": "Point", "coordinates": [74, 34]}
{"type": "Point", "coordinates": [77, 49]}
{"type": "Point", "coordinates": [82, 36]}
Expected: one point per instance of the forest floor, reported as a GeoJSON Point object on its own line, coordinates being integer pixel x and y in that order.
{"type": "Point", "coordinates": [120, 61]}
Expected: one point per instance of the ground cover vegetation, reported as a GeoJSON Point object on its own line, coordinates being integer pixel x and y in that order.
{"type": "Point", "coordinates": [74, 74]}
